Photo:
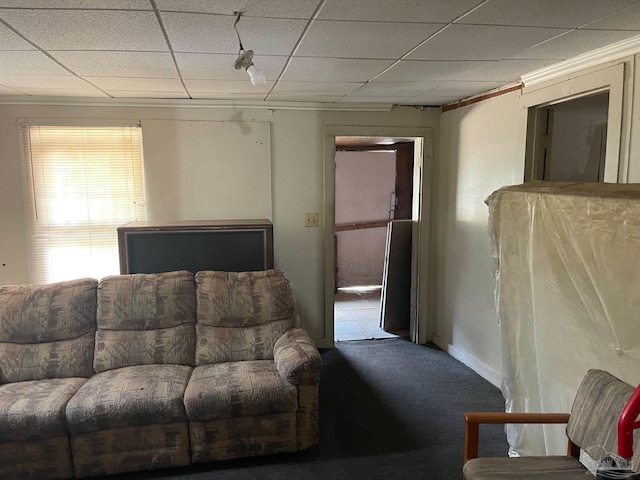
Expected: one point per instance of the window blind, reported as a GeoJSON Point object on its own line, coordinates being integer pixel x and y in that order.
{"type": "Point", "coordinates": [83, 183]}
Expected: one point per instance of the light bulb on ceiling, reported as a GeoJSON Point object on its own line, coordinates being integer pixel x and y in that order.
{"type": "Point", "coordinates": [245, 61]}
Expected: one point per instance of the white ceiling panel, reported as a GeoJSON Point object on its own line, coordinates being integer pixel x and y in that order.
{"type": "Point", "coordinates": [436, 11]}
{"type": "Point", "coordinates": [627, 19]}
{"type": "Point", "coordinates": [63, 92]}
{"type": "Point", "coordinates": [11, 41]}
{"type": "Point", "coordinates": [9, 91]}
{"type": "Point", "coordinates": [316, 88]}
{"type": "Point", "coordinates": [209, 66]}
{"type": "Point", "coordinates": [304, 98]}
{"type": "Point", "coordinates": [88, 29]}
{"type": "Point", "coordinates": [505, 70]}
{"type": "Point", "coordinates": [29, 63]}
{"type": "Point", "coordinates": [43, 81]}
{"type": "Point", "coordinates": [363, 39]}
{"type": "Point", "coordinates": [544, 13]}
{"type": "Point", "coordinates": [119, 64]}
{"type": "Point", "coordinates": [574, 43]}
{"type": "Point", "coordinates": [395, 89]}
{"type": "Point", "coordinates": [139, 84]}
{"type": "Point", "coordinates": [377, 99]}
{"type": "Point", "coordinates": [307, 69]}
{"type": "Point", "coordinates": [428, 71]}
{"type": "Point", "coordinates": [203, 33]}
{"type": "Point", "coordinates": [481, 42]}
{"type": "Point", "coordinates": [226, 86]}
{"type": "Point", "coordinates": [142, 94]}
{"type": "Point", "coordinates": [404, 51]}
{"type": "Point", "coordinates": [249, 8]}
{"type": "Point", "coordinates": [82, 4]}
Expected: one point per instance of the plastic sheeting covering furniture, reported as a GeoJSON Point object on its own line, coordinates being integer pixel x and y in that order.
{"type": "Point", "coordinates": [566, 265]}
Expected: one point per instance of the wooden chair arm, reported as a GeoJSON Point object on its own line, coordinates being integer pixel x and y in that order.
{"type": "Point", "coordinates": [474, 419]}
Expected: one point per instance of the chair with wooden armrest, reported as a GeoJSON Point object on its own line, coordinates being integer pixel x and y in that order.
{"type": "Point", "coordinates": [591, 423]}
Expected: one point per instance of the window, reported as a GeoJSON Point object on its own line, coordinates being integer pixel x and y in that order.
{"type": "Point", "coordinates": [83, 183]}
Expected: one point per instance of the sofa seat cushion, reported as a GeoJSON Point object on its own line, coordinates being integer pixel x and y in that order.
{"type": "Point", "coordinates": [35, 410]}
{"type": "Point", "coordinates": [530, 468]}
{"type": "Point", "coordinates": [129, 396]}
{"type": "Point", "coordinates": [235, 389]}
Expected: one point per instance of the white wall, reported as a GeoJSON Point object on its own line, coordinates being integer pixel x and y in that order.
{"type": "Point", "coordinates": [478, 146]}
{"type": "Point", "coordinates": [297, 181]}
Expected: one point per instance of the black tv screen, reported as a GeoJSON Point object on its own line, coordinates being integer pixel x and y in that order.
{"type": "Point", "coordinates": [224, 250]}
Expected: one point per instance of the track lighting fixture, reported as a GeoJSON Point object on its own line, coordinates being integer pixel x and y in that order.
{"type": "Point", "coordinates": [245, 59]}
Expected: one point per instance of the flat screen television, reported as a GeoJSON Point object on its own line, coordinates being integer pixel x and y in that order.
{"type": "Point", "coordinates": [229, 245]}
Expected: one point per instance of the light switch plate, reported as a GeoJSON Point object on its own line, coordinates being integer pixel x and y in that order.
{"type": "Point", "coordinates": [310, 219]}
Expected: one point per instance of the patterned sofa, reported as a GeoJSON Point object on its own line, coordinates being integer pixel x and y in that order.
{"type": "Point", "coordinates": [149, 371]}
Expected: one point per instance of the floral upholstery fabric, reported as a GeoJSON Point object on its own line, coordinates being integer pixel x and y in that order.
{"type": "Point", "coordinates": [240, 315]}
{"type": "Point", "coordinates": [139, 395]}
{"type": "Point", "coordinates": [228, 438]}
{"type": "Point", "coordinates": [295, 354]}
{"type": "Point", "coordinates": [145, 319]}
{"type": "Point", "coordinates": [235, 389]}
{"type": "Point", "coordinates": [35, 409]}
{"type": "Point", "coordinates": [46, 331]}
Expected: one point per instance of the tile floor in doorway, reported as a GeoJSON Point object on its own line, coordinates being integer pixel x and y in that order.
{"type": "Point", "coordinates": [357, 314]}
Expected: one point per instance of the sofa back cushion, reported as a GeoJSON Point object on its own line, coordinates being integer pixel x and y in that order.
{"type": "Point", "coordinates": [593, 423]}
{"type": "Point", "coordinates": [240, 315]}
{"type": "Point", "coordinates": [145, 319]}
{"type": "Point", "coordinates": [47, 331]}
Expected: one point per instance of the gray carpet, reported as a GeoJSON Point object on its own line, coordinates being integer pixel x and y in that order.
{"type": "Point", "coordinates": [389, 409]}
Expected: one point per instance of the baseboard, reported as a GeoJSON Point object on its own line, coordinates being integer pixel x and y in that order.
{"type": "Point", "coordinates": [474, 364]}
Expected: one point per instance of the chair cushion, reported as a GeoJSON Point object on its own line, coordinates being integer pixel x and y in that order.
{"type": "Point", "coordinates": [46, 331]}
{"type": "Point", "coordinates": [529, 468]}
{"type": "Point", "coordinates": [35, 410]}
{"type": "Point", "coordinates": [129, 396]}
{"type": "Point", "coordinates": [240, 315]}
{"type": "Point", "coordinates": [235, 389]}
{"type": "Point", "coordinates": [145, 319]}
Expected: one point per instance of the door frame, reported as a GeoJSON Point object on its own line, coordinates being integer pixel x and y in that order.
{"type": "Point", "coordinates": [421, 210]}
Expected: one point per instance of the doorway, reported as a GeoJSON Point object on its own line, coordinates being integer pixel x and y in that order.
{"type": "Point", "coordinates": [568, 140]}
{"type": "Point", "coordinates": [372, 236]}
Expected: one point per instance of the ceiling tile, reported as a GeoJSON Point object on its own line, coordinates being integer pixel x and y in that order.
{"type": "Point", "coordinates": [481, 42]}
{"type": "Point", "coordinates": [210, 66]}
{"type": "Point", "coordinates": [63, 92]}
{"type": "Point", "coordinates": [395, 89]}
{"type": "Point", "coordinates": [333, 69]}
{"type": "Point", "coordinates": [315, 88]}
{"type": "Point", "coordinates": [437, 11]}
{"type": "Point", "coordinates": [9, 91]}
{"type": "Point", "coordinates": [29, 63]}
{"type": "Point", "coordinates": [428, 71]}
{"type": "Point", "coordinates": [88, 29]}
{"type": "Point", "coordinates": [506, 70]}
{"type": "Point", "coordinates": [143, 94]}
{"type": "Point", "coordinates": [463, 89]}
{"type": "Point", "coordinates": [230, 96]}
{"type": "Point", "coordinates": [11, 41]}
{"type": "Point", "coordinates": [226, 86]}
{"type": "Point", "coordinates": [574, 43]}
{"type": "Point", "coordinates": [44, 81]}
{"type": "Point", "coordinates": [119, 64]}
{"type": "Point", "coordinates": [363, 39]}
{"type": "Point", "coordinates": [139, 84]}
{"type": "Point", "coordinates": [375, 99]}
{"type": "Point", "coordinates": [249, 8]}
{"type": "Point", "coordinates": [203, 33]}
{"type": "Point", "coordinates": [627, 19]}
{"type": "Point", "coordinates": [544, 13]}
{"type": "Point", "coordinates": [81, 4]}
{"type": "Point", "coordinates": [304, 98]}
{"type": "Point", "coordinates": [431, 100]}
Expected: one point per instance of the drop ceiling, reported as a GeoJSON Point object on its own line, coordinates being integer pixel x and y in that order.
{"type": "Point", "coordinates": [411, 52]}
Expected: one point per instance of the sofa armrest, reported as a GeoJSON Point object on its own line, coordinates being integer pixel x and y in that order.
{"type": "Point", "coordinates": [474, 419]}
{"type": "Point", "coordinates": [296, 357]}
